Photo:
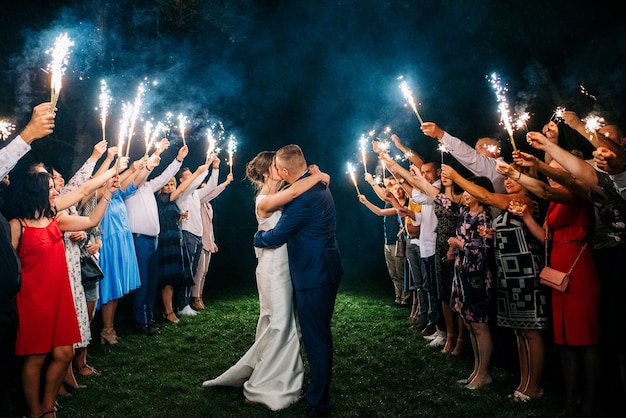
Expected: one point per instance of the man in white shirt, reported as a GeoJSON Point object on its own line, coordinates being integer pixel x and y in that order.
{"type": "Point", "coordinates": [190, 202]}
{"type": "Point", "coordinates": [143, 219]}
{"type": "Point", "coordinates": [480, 160]}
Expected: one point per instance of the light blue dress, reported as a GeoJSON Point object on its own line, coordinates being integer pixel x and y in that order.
{"type": "Point", "coordinates": [118, 260]}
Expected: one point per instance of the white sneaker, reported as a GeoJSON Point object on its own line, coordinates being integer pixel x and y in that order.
{"type": "Point", "coordinates": [438, 341]}
{"type": "Point", "coordinates": [187, 311]}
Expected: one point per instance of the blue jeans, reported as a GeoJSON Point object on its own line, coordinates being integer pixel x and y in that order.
{"type": "Point", "coordinates": [144, 296]}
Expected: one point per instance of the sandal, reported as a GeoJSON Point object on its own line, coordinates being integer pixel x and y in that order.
{"type": "Point", "coordinates": [92, 371]}
{"type": "Point", "coordinates": [173, 320]}
{"type": "Point", "coordinates": [53, 412]}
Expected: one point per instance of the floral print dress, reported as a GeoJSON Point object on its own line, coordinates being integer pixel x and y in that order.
{"type": "Point", "coordinates": [471, 283]}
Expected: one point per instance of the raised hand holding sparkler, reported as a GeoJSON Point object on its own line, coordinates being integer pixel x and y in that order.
{"type": "Point", "coordinates": [60, 55]}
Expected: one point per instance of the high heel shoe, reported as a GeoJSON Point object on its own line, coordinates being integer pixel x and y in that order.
{"type": "Point", "coordinates": [171, 317]}
{"type": "Point", "coordinates": [107, 336]}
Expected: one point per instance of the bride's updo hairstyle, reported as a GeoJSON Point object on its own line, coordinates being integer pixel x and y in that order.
{"type": "Point", "coordinates": [258, 167]}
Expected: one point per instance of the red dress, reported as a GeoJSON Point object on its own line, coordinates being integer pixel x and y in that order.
{"type": "Point", "coordinates": [45, 305]}
{"type": "Point", "coordinates": [575, 311]}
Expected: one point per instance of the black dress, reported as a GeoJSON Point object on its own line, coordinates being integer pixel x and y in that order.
{"type": "Point", "coordinates": [174, 266]}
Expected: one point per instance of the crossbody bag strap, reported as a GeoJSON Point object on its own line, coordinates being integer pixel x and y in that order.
{"type": "Point", "coordinates": [579, 254]}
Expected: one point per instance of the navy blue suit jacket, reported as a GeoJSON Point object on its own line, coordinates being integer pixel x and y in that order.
{"type": "Point", "coordinates": [307, 225]}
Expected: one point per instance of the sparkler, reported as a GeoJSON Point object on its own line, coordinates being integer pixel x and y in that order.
{"type": "Point", "coordinates": [408, 96]}
{"type": "Point", "coordinates": [182, 125]}
{"type": "Point", "coordinates": [557, 115]}
{"type": "Point", "coordinates": [211, 140]}
{"type": "Point", "coordinates": [351, 172]}
{"type": "Point", "coordinates": [363, 145]}
{"type": "Point", "coordinates": [592, 124]}
{"type": "Point", "coordinates": [585, 92]}
{"type": "Point", "coordinates": [232, 147]}
{"type": "Point", "coordinates": [503, 106]}
{"type": "Point", "coordinates": [127, 111]}
{"type": "Point", "coordinates": [147, 137]}
{"type": "Point", "coordinates": [135, 109]}
{"type": "Point", "coordinates": [6, 128]}
{"type": "Point", "coordinates": [60, 55]}
{"type": "Point", "coordinates": [522, 120]}
{"type": "Point", "coordinates": [442, 149]}
{"type": "Point", "coordinates": [105, 101]}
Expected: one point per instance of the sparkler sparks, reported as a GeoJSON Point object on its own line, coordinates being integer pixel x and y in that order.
{"type": "Point", "coordinates": [211, 140]}
{"type": "Point", "coordinates": [104, 102]}
{"type": "Point", "coordinates": [6, 128]}
{"type": "Point", "coordinates": [592, 124]}
{"type": "Point", "coordinates": [135, 109]}
{"type": "Point", "coordinates": [503, 106]}
{"type": "Point", "coordinates": [363, 141]}
{"type": "Point", "coordinates": [60, 55]}
{"type": "Point", "coordinates": [442, 149]}
{"type": "Point", "coordinates": [353, 177]}
{"type": "Point", "coordinates": [232, 147]}
{"type": "Point", "coordinates": [182, 125]}
{"type": "Point", "coordinates": [585, 92]}
{"type": "Point", "coordinates": [408, 96]}
{"type": "Point", "coordinates": [557, 115]}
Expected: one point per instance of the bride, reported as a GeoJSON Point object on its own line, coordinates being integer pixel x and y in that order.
{"type": "Point", "coordinates": [271, 371]}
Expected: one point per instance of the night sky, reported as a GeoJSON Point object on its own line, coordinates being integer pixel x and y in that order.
{"type": "Point", "coordinates": [316, 73]}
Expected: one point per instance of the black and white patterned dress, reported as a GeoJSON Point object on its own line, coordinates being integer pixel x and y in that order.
{"type": "Point", "coordinates": [521, 300]}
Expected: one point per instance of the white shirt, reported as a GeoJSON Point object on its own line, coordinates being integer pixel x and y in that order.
{"type": "Point", "coordinates": [477, 163]}
{"type": "Point", "coordinates": [190, 200]}
{"type": "Point", "coordinates": [11, 154]}
{"type": "Point", "coordinates": [143, 212]}
{"type": "Point", "coordinates": [428, 237]}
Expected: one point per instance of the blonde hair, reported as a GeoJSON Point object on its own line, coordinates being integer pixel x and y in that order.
{"type": "Point", "coordinates": [291, 157]}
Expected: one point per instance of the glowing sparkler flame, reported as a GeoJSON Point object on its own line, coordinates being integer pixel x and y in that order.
{"type": "Point", "coordinates": [104, 102]}
{"type": "Point", "coordinates": [182, 125]}
{"type": "Point", "coordinates": [232, 147]}
{"type": "Point", "coordinates": [363, 141]}
{"type": "Point", "coordinates": [408, 96]}
{"type": "Point", "coordinates": [585, 92]}
{"type": "Point", "coordinates": [6, 128]}
{"type": "Point", "coordinates": [442, 149]}
{"type": "Point", "coordinates": [135, 109]}
{"type": "Point", "coordinates": [503, 106]}
{"type": "Point", "coordinates": [522, 120]}
{"type": "Point", "coordinates": [211, 140]}
{"type": "Point", "coordinates": [557, 115]}
{"type": "Point", "coordinates": [60, 55]}
{"type": "Point", "coordinates": [353, 177]}
{"type": "Point", "coordinates": [592, 124]}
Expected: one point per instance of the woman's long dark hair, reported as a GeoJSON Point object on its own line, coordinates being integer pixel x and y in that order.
{"type": "Point", "coordinates": [28, 197]}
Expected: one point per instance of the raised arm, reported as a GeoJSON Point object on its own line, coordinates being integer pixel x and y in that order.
{"type": "Point", "coordinates": [408, 153]}
{"type": "Point", "coordinates": [277, 200]}
{"type": "Point", "coordinates": [498, 200]}
{"type": "Point", "coordinates": [375, 209]}
{"type": "Point", "coordinates": [200, 171]}
{"type": "Point", "coordinates": [80, 223]}
{"type": "Point", "coordinates": [380, 192]}
{"type": "Point", "coordinates": [535, 186]}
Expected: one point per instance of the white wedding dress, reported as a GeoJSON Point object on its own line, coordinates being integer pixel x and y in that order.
{"type": "Point", "coordinates": [271, 371]}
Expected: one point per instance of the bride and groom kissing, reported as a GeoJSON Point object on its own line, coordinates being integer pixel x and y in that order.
{"type": "Point", "coordinates": [298, 272]}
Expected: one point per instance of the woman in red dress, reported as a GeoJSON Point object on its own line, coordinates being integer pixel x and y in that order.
{"type": "Point", "coordinates": [575, 312]}
{"type": "Point", "coordinates": [47, 319]}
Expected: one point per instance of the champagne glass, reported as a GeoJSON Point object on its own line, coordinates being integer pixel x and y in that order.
{"type": "Point", "coordinates": [484, 230]}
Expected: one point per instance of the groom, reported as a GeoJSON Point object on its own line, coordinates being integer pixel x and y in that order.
{"type": "Point", "coordinates": [307, 225]}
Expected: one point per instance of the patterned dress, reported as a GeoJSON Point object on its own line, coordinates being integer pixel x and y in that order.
{"type": "Point", "coordinates": [444, 269]}
{"type": "Point", "coordinates": [174, 265]}
{"type": "Point", "coordinates": [471, 284]}
{"type": "Point", "coordinates": [522, 302]}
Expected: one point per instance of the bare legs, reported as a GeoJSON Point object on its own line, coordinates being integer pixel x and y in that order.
{"type": "Point", "coordinates": [482, 346]}
{"type": "Point", "coordinates": [451, 324]}
{"type": "Point", "coordinates": [168, 311]}
{"type": "Point", "coordinates": [108, 315]}
{"type": "Point", "coordinates": [531, 352]}
{"type": "Point", "coordinates": [61, 358]}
